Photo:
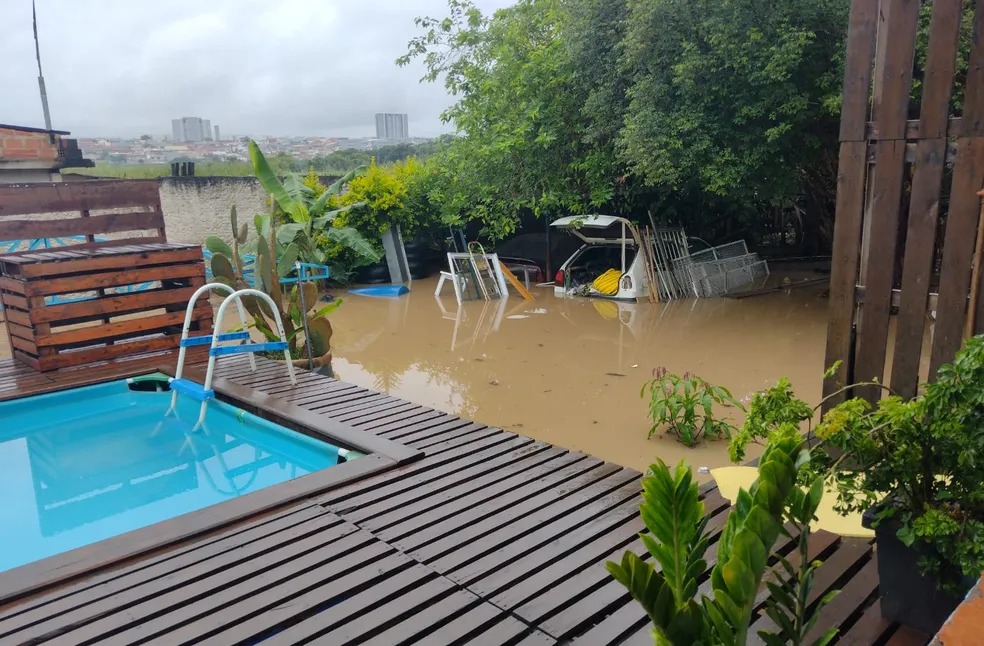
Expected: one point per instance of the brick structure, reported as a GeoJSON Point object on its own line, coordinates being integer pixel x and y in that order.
{"type": "Point", "coordinates": [965, 624]}
{"type": "Point", "coordinates": [35, 154]}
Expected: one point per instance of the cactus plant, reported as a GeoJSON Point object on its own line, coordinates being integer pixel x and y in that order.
{"type": "Point", "coordinates": [271, 266]}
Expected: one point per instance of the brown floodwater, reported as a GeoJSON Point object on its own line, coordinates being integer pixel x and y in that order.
{"type": "Point", "coordinates": [569, 370]}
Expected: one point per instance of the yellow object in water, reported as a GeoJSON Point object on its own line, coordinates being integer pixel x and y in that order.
{"type": "Point", "coordinates": [607, 309]}
{"type": "Point", "coordinates": [607, 283]}
{"type": "Point", "coordinates": [731, 479]}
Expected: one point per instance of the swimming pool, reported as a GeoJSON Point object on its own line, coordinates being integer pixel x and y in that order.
{"type": "Point", "coordinates": [83, 465]}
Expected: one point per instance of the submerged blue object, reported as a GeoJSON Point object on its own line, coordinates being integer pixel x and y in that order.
{"type": "Point", "coordinates": [386, 291]}
{"type": "Point", "coordinates": [82, 465]}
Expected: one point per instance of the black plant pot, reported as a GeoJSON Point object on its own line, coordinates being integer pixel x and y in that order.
{"type": "Point", "coordinates": [907, 595]}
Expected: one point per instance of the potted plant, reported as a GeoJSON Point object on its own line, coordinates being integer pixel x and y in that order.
{"type": "Point", "coordinates": [306, 326]}
{"type": "Point", "coordinates": [292, 235]}
{"type": "Point", "coordinates": [916, 468]}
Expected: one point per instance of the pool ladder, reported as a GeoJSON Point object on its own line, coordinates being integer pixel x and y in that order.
{"type": "Point", "coordinates": [204, 392]}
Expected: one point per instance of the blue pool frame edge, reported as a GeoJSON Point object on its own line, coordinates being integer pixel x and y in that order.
{"type": "Point", "coordinates": [380, 455]}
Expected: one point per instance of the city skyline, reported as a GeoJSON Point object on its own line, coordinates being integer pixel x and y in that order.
{"type": "Point", "coordinates": [121, 69]}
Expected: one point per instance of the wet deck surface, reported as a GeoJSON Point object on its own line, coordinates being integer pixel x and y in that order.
{"type": "Point", "coordinates": [491, 538]}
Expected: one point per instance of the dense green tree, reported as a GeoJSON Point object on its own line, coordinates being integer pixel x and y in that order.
{"type": "Point", "coordinates": [714, 115]}
{"type": "Point", "coordinates": [521, 143]}
{"type": "Point", "coordinates": [738, 100]}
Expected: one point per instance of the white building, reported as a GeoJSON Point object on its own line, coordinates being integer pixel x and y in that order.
{"type": "Point", "coordinates": [392, 126]}
{"type": "Point", "coordinates": [191, 129]}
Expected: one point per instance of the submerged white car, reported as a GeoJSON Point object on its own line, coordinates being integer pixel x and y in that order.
{"type": "Point", "coordinates": [610, 243]}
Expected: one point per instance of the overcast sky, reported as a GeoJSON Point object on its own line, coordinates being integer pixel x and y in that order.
{"type": "Point", "coordinates": [281, 67]}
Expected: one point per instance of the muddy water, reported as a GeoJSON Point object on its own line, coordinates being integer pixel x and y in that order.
{"type": "Point", "coordinates": [569, 371]}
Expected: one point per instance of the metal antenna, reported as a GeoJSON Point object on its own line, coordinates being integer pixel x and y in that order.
{"type": "Point", "coordinates": [37, 53]}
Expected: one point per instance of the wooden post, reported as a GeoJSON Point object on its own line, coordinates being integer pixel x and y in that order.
{"type": "Point", "coordinates": [975, 278]}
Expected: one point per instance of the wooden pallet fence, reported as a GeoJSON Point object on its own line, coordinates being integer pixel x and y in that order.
{"type": "Point", "coordinates": [69, 307]}
{"type": "Point", "coordinates": [906, 213]}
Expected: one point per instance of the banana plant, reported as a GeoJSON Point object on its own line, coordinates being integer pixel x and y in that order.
{"type": "Point", "coordinates": [677, 540]}
{"type": "Point", "coordinates": [309, 215]}
{"type": "Point", "coordinates": [270, 268]}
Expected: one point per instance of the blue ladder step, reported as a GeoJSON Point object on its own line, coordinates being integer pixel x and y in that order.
{"type": "Point", "coordinates": [191, 389]}
{"type": "Point", "coordinates": [272, 346]}
{"type": "Point", "coordinates": [206, 339]}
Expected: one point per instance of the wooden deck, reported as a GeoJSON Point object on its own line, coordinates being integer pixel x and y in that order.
{"type": "Point", "coordinates": [491, 538]}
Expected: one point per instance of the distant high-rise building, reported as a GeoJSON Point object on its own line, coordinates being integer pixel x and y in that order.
{"type": "Point", "coordinates": [216, 133]}
{"type": "Point", "coordinates": [191, 129]}
{"type": "Point", "coordinates": [392, 126]}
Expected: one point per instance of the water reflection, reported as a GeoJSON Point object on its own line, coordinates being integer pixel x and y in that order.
{"type": "Point", "coordinates": [569, 371]}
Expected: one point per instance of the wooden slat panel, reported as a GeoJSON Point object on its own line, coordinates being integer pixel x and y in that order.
{"type": "Point", "coordinates": [11, 285]}
{"type": "Point", "coordinates": [102, 353]}
{"type": "Point", "coordinates": [13, 300]}
{"type": "Point", "coordinates": [891, 94]}
{"type": "Point", "coordinates": [19, 317]}
{"type": "Point", "coordinates": [973, 105]}
{"type": "Point", "coordinates": [862, 29]}
{"type": "Point", "coordinates": [97, 620]}
{"type": "Point", "coordinates": [925, 197]}
{"type": "Point", "coordinates": [75, 196]}
{"type": "Point", "coordinates": [914, 130]}
{"type": "Point", "coordinates": [260, 535]}
{"type": "Point", "coordinates": [115, 304]}
{"type": "Point", "coordinates": [94, 261]}
{"type": "Point", "coordinates": [109, 332]}
{"type": "Point", "coordinates": [863, 22]}
{"type": "Point", "coordinates": [958, 249]}
{"type": "Point", "coordinates": [129, 586]}
{"type": "Point", "coordinates": [107, 244]}
{"type": "Point", "coordinates": [844, 264]}
{"type": "Point", "coordinates": [21, 343]}
{"type": "Point", "coordinates": [87, 282]}
{"type": "Point", "coordinates": [93, 225]}
{"type": "Point", "coordinates": [255, 615]}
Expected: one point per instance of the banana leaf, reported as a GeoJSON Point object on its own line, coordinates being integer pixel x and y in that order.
{"type": "Point", "coordinates": [355, 241]}
{"type": "Point", "coordinates": [272, 185]}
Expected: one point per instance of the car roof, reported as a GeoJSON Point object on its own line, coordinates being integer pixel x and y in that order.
{"type": "Point", "coordinates": [595, 220]}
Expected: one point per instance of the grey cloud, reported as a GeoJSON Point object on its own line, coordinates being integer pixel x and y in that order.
{"type": "Point", "coordinates": [288, 67]}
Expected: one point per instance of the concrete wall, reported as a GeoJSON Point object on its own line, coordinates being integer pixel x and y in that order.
{"type": "Point", "coordinates": [195, 207]}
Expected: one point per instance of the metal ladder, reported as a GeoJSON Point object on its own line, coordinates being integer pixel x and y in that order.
{"type": "Point", "coordinates": [204, 392]}
{"type": "Point", "coordinates": [484, 272]}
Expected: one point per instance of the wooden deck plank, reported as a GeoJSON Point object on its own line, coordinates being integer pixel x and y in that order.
{"type": "Point", "coordinates": [416, 531]}
{"type": "Point", "coordinates": [424, 472]}
{"type": "Point", "coordinates": [491, 538]}
{"type": "Point", "coordinates": [365, 600]}
{"type": "Point", "coordinates": [99, 618]}
{"type": "Point", "coordinates": [97, 586]}
{"type": "Point", "coordinates": [474, 491]}
{"type": "Point", "coordinates": [853, 595]}
{"type": "Point", "coordinates": [474, 560]}
{"type": "Point", "coordinates": [450, 485]}
{"type": "Point", "coordinates": [247, 614]}
{"type": "Point", "coordinates": [616, 627]}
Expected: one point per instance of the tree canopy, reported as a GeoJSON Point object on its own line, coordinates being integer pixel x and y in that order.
{"type": "Point", "coordinates": [712, 115]}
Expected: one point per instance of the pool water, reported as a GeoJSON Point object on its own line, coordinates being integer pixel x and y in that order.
{"type": "Point", "coordinates": [86, 464]}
